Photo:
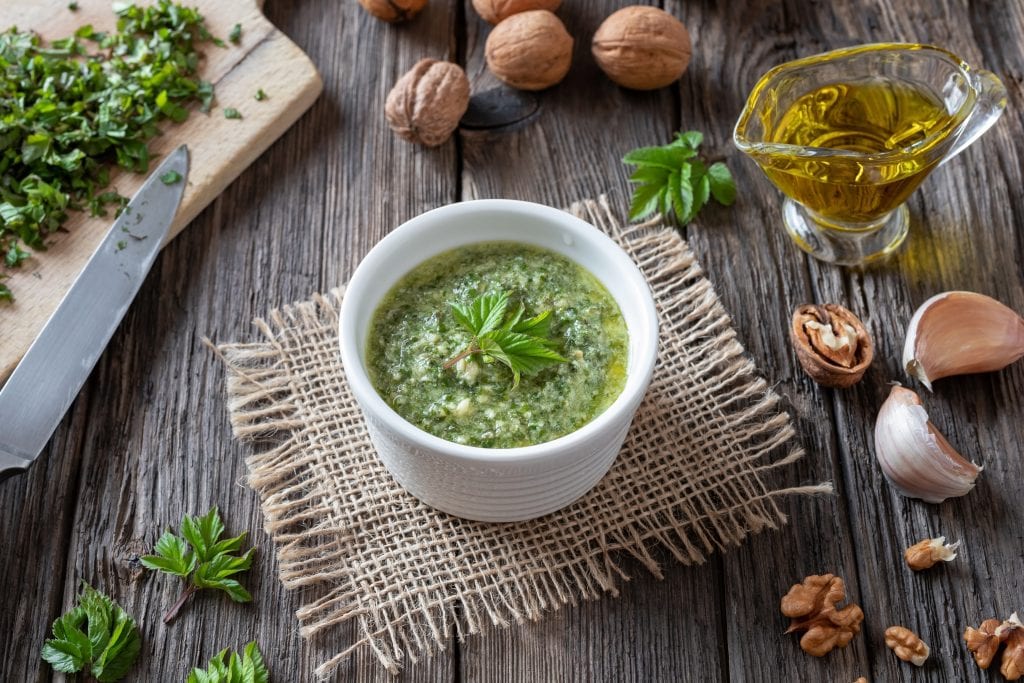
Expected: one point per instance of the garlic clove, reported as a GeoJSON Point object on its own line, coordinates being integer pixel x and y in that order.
{"type": "Point", "coordinates": [914, 456]}
{"type": "Point", "coordinates": [957, 333]}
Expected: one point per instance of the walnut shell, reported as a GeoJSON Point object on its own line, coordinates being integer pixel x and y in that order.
{"type": "Point", "coordinates": [642, 47]}
{"type": "Point", "coordinates": [427, 102]}
{"type": "Point", "coordinates": [530, 50]}
{"type": "Point", "coordinates": [496, 11]}
{"type": "Point", "coordinates": [393, 10]}
{"type": "Point", "coordinates": [831, 343]}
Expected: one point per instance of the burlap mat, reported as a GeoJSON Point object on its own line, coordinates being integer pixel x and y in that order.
{"type": "Point", "coordinates": [689, 479]}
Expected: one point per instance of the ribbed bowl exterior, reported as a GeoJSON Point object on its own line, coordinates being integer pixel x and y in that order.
{"type": "Point", "coordinates": [500, 491]}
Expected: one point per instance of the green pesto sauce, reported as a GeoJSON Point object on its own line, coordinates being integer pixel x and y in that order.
{"type": "Point", "coordinates": [413, 333]}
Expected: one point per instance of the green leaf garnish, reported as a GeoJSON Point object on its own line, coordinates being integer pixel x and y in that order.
{"type": "Point", "coordinates": [202, 558]}
{"type": "Point", "coordinates": [232, 113]}
{"type": "Point", "coordinates": [97, 636]}
{"type": "Point", "coordinates": [675, 179]}
{"type": "Point", "coordinates": [523, 346]}
{"type": "Point", "coordinates": [247, 668]}
{"type": "Point", "coordinates": [236, 34]}
{"type": "Point", "coordinates": [260, 95]}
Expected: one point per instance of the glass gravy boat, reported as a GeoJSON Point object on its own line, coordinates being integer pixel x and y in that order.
{"type": "Point", "coordinates": [848, 135]}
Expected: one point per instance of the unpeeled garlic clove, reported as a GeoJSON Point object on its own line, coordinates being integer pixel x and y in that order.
{"type": "Point", "coordinates": [914, 456]}
{"type": "Point", "coordinates": [957, 333]}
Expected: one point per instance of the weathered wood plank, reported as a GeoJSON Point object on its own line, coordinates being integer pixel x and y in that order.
{"type": "Point", "coordinates": [568, 150]}
{"type": "Point", "coordinates": [151, 425]}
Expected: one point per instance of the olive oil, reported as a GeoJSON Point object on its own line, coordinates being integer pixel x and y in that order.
{"type": "Point", "coordinates": [870, 117]}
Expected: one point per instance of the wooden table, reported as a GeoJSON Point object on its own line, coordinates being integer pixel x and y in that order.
{"type": "Point", "coordinates": [148, 439]}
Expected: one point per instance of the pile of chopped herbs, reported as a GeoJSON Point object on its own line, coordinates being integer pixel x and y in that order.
{"type": "Point", "coordinates": [71, 109]}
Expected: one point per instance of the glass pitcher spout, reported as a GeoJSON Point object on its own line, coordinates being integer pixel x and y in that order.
{"type": "Point", "coordinates": [989, 106]}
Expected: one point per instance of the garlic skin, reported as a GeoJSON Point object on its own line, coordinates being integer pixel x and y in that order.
{"type": "Point", "coordinates": [914, 456]}
{"type": "Point", "coordinates": [958, 333]}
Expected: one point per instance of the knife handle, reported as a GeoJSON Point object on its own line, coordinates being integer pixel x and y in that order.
{"type": "Point", "coordinates": [11, 465]}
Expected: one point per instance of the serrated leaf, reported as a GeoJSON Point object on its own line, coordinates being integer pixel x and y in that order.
{"type": "Point", "coordinates": [210, 529]}
{"type": "Point", "coordinates": [701, 191]}
{"type": "Point", "coordinates": [172, 556]}
{"type": "Point", "coordinates": [645, 201]}
{"type": "Point", "coordinates": [654, 175]}
{"type": "Point", "coordinates": [682, 197]}
{"type": "Point", "coordinates": [691, 139]}
{"type": "Point", "coordinates": [537, 326]}
{"type": "Point", "coordinates": [484, 313]}
{"type": "Point", "coordinates": [64, 656]}
{"type": "Point", "coordinates": [231, 667]}
{"type": "Point", "coordinates": [663, 157]}
{"type": "Point", "coordinates": [107, 649]}
{"type": "Point", "coordinates": [723, 187]}
{"type": "Point", "coordinates": [254, 664]}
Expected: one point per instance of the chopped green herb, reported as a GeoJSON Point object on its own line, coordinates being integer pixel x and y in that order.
{"type": "Point", "coordinates": [675, 178]}
{"type": "Point", "coordinates": [170, 178]}
{"type": "Point", "coordinates": [5, 292]}
{"type": "Point", "coordinates": [232, 113]}
{"type": "Point", "coordinates": [96, 636]}
{"type": "Point", "coordinates": [73, 108]}
{"type": "Point", "coordinates": [15, 255]}
{"type": "Point", "coordinates": [249, 668]}
{"type": "Point", "coordinates": [121, 244]}
{"type": "Point", "coordinates": [73, 6]}
{"type": "Point", "coordinates": [236, 34]}
{"type": "Point", "coordinates": [524, 346]}
{"type": "Point", "coordinates": [260, 95]}
{"type": "Point", "coordinates": [199, 557]}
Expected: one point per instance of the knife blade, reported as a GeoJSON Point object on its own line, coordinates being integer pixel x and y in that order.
{"type": "Point", "coordinates": [56, 365]}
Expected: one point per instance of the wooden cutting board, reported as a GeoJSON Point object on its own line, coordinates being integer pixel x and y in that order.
{"type": "Point", "coordinates": [220, 148]}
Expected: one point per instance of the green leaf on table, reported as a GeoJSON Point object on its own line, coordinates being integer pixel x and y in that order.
{"type": "Point", "coordinates": [201, 557]}
{"type": "Point", "coordinates": [722, 185]}
{"type": "Point", "coordinates": [675, 179]}
{"type": "Point", "coordinates": [97, 636]}
{"type": "Point", "coordinates": [234, 668]}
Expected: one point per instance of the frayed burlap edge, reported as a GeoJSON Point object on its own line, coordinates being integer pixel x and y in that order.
{"type": "Point", "coordinates": [265, 400]}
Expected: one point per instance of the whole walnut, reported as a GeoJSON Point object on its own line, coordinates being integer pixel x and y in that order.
{"type": "Point", "coordinates": [393, 10]}
{"type": "Point", "coordinates": [427, 102]}
{"type": "Point", "coordinates": [495, 11]}
{"type": "Point", "coordinates": [530, 50]}
{"type": "Point", "coordinates": [642, 47]}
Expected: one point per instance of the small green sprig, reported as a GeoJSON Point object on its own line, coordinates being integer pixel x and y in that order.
{"type": "Point", "coordinates": [201, 558]}
{"type": "Point", "coordinates": [247, 668]}
{"type": "Point", "coordinates": [524, 346]}
{"type": "Point", "coordinates": [676, 178]}
{"type": "Point", "coordinates": [96, 636]}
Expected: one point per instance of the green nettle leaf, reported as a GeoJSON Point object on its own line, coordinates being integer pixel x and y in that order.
{"type": "Point", "coordinates": [202, 558]}
{"type": "Point", "coordinates": [96, 637]}
{"type": "Point", "coordinates": [674, 179]}
{"type": "Point", "coordinates": [523, 346]}
{"type": "Point", "coordinates": [722, 186]}
{"type": "Point", "coordinates": [234, 668]}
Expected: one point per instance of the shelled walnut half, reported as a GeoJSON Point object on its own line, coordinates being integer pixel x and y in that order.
{"type": "Point", "coordinates": [930, 551]}
{"type": "Point", "coordinates": [831, 343]}
{"type": "Point", "coordinates": [907, 645]}
{"type": "Point", "coordinates": [984, 643]}
{"type": "Point", "coordinates": [811, 607]}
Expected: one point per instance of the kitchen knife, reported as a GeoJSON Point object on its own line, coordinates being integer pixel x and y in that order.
{"type": "Point", "coordinates": [46, 381]}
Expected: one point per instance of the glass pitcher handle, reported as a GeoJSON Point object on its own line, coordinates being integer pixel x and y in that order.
{"type": "Point", "coordinates": [987, 109]}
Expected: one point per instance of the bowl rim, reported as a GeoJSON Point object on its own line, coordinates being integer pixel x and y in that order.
{"type": "Point", "coordinates": [638, 373]}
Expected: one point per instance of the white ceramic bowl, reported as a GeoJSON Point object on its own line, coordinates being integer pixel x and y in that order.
{"type": "Point", "coordinates": [497, 484]}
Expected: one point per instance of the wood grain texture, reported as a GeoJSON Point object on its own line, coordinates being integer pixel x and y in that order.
{"type": "Point", "coordinates": [219, 148]}
{"type": "Point", "coordinates": [148, 438]}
